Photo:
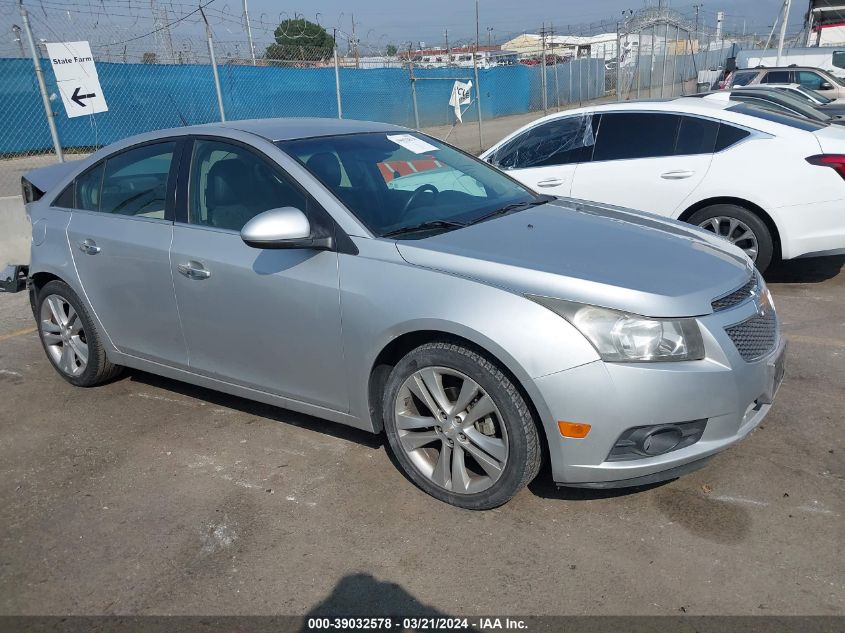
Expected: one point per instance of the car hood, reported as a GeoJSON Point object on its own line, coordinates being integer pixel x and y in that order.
{"type": "Point", "coordinates": [589, 253]}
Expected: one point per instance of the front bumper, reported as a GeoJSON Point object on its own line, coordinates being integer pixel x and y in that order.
{"type": "Point", "coordinates": [731, 394]}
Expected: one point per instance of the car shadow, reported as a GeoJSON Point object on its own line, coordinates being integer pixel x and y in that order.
{"type": "Point", "coordinates": [259, 409]}
{"type": "Point", "coordinates": [802, 271]}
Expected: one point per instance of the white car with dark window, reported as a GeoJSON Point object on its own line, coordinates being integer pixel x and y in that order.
{"type": "Point", "coordinates": [774, 185]}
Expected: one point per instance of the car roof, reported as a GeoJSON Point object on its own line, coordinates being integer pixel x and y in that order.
{"type": "Point", "coordinates": [716, 108]}
{"type": "Point", "coordinates": [295, 128]}
{"type": "Point", "coordinates": [767, 87]}
{"type": "Point", "coordinates": [764, 68]}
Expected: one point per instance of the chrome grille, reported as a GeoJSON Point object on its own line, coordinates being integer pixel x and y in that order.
{"type": "Point", "coordinates": [755, 337]}
{"type": "Point", "coordinates": [736, 297]}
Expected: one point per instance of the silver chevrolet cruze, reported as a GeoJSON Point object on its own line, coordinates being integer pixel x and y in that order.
{"type": "Point", "coordinates": [374, 276]}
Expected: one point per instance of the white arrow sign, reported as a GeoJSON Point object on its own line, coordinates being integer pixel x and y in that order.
{"type": "Point", "coordinates": [76, 77]}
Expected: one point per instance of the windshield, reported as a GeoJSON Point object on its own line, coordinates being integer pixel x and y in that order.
{"type": "Point", "coordinates": [775, 98]}
{"type": "Point", "coordinates": [406, 183]}
{"type": "Point", "coordinates": [794, 121]}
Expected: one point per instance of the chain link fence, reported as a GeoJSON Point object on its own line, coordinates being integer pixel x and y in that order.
{"type": "Point", "coordinates": [154, 66]}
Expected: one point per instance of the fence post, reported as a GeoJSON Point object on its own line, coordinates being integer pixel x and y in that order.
{"type": "Point", "coordinates": [414, 88]}
{"type": "Point", "coordinates": [618, 64]}
{"type": "Point", "coordinates": [665, 55]}
{"type": "Point", "coordinates": [557, 84]}
{"type": "Point", "coordinates": [337, 83]}
{"type": "Point", "coordinates": [42, 86]}
{"type": "Point", "coordinates": [478, 102]}
{"type": "Point", "coordinates": [651, 68]}
{"type": "Point", "coordinates": [675, 58]}
{"type": "Point", "coordinates": [543, 69]}
{"type": "Point", "coordinates": [477, 84]}
{"type": "Point", "coordinates": [214, 67]}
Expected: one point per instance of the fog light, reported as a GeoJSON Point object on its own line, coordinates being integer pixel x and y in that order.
{"type": "Point", "coordinates": [577, 430]}
{"type": "Point", "coordinates": [662, 440]}
{"type": "Point", "coordinates": [657, 439]}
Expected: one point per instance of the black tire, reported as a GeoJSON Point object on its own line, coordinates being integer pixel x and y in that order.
{"type": "Point", "coordinates": [765, 242]}
{"type": "Point", "coordinates": [524, 451]}
{"type": "Point", "coordinates": [99, 368]}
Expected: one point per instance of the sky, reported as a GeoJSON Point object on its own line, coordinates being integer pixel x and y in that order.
{"type": "Point", "coordinates": [134, 24]}
{"type": "Point", "coordinates": [404, 20]}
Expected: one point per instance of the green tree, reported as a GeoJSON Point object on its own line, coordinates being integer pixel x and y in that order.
{"type": "Point", "coordinates": [300, 39]}
{"type": "Point", "coordinates": [391, 50]}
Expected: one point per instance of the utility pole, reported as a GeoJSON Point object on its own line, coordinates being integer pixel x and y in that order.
{"type": "Point", "coordinates": [249, 32]}
{"type": "Point", "coordinates": [697, 8]}
{"type": "Point", "coordinates": [490, 36]}
{"type": "Point", "coordinates": [214, 66]}
{"type": "Point", "coordinates": [355, 44]}
{"type": "Point", "coordinates": [786, 6]}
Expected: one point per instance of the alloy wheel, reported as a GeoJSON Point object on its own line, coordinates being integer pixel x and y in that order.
{"type": "Point", "coordinates": [735, 231]}
{"type": "Point", "coordinates": [63, 335]}
{"type": "Point", "coordinates": [451, 430]}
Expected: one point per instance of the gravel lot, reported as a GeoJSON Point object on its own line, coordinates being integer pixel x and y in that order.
{"type": "Point", "coordinates": [151, 496]}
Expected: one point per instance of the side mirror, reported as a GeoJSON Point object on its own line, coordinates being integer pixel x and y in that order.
{"type": "Point", "coordinates": [826, 85]}
{"type": "Point", "coordinates": [286, 227]}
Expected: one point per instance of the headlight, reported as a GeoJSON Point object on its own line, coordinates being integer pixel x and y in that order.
{"type": "Point", "coordinates": [620, 337]}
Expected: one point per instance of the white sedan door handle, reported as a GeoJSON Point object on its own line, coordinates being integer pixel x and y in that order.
{"type": "Point", "coordinates": [678, 174]}
{"type": "Point", "coordinates": [551, 182]}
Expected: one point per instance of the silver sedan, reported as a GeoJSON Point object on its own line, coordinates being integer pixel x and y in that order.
{"type": "Point", "coordinates": [373, 276]}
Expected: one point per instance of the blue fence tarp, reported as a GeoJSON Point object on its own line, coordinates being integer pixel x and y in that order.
{"type": "Point", "coordinates": [143, 97]}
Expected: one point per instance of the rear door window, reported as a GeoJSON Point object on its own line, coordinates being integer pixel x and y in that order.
{"type": "Point", "coordinates": [729, 135]}
{"type": "Point", "coordinates": [776, 77]}
{"type": "Point", "coordinates": [87, 189]}
{"type": "Point", "coordinates": [559, 142]}
{"type": "Point", "coordinates": [838, 59]}
{"type": "Point", "coordinates": [743, 78]}
{"type": "Point", "coordinates": [636, 135]}
{"type": "Point", "coordinates": [135, 181]}
{"type": "Point", "coordinates": [696, 136]}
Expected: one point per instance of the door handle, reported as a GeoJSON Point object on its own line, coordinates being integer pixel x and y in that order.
{"type": "Point", "coordinates": [193, 270]}
{"type": "Point", "coordinates": [551, 182]}
{"type": "Point", "coordinates": [89, 247]}
{"type": "Point", "coordinates": [677, 174]}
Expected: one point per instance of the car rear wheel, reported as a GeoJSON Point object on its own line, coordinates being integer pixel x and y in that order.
{"type": "Point", "coordinates": [459, 428]}
{"type": "Point", "coordinates": [740, 227]}
{"type": "Point", "coordinates": [69, 338]}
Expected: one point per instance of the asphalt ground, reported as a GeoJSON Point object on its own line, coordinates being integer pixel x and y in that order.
{"type": "Point", "coordinates": [149, 496]}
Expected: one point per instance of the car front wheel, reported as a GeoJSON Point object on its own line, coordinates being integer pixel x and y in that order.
{"type": "Point", "coordinates": [459, 427]}
{"type": "Point", "coordinates": [740, 227]}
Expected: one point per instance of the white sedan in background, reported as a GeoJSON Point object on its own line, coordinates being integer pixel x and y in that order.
{"type": "Point", "coordinates": [772, 184]}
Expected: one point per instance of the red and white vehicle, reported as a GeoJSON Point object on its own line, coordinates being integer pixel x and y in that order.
{"type": "Point", "coordinates": [772, 184]}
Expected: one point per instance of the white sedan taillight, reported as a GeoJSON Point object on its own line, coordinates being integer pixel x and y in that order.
{"type": "Point", "coordinates": [834, 161]}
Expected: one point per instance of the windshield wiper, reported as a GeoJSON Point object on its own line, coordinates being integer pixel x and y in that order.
{"type": "Point", "coordinates": [516, 206]}
{"type": "Point", "coordinates": [425, 226]}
